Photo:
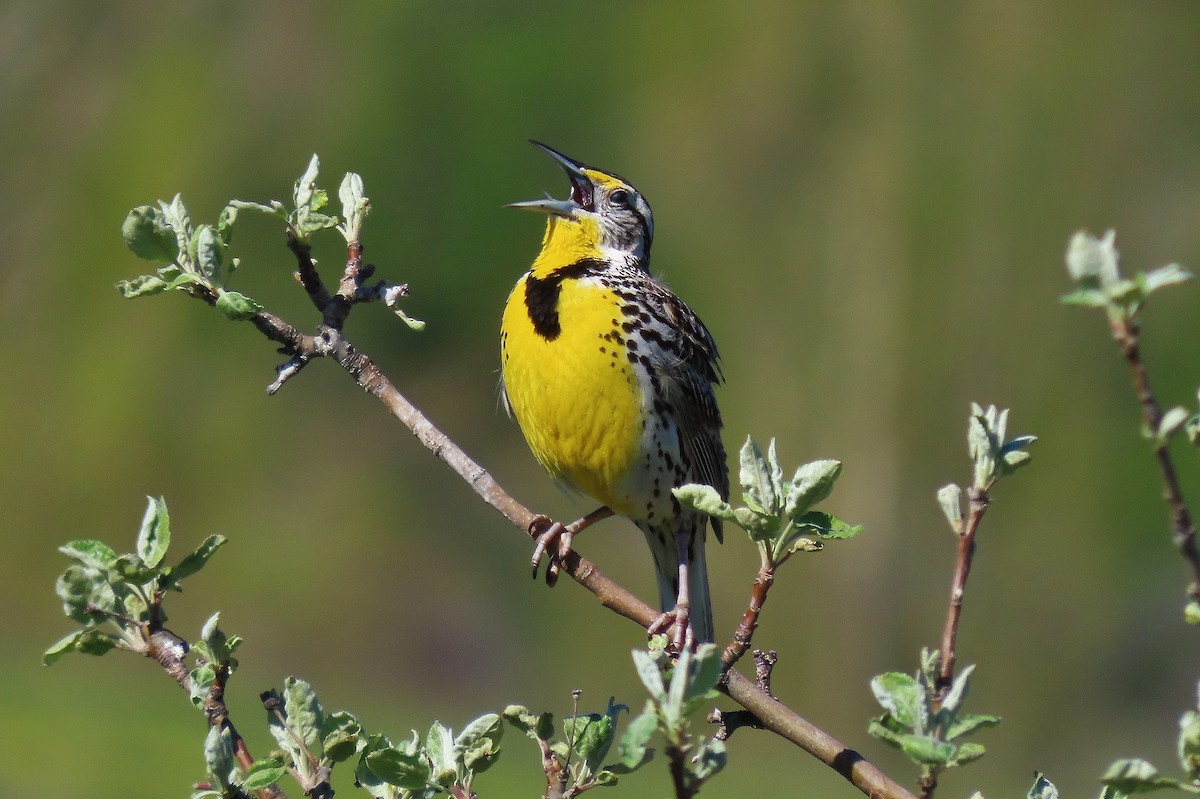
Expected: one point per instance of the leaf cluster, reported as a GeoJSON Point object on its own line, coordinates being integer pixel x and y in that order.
{"type": "Point", "coordinates": [1134, 775]}
{"type": "Point", "coordinates": [117, 599]}
{"type": "Point", "coordinates": [677, 689]}
{"type": "Point", "coordinates": [1094, 266]}
{"type": "Point", "coordinates": [778, 513]}
{"type": "Point", "coordinates": [927, 730]}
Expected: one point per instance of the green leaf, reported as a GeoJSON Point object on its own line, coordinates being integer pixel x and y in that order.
{"type": "Point", "coordinates": [368, 779]}
{"type": "Point", "coordinates": [342, 736]}
{"type": "Point", "coordinates": [1169, 275]}
{"type": "Point", "coordinates": [1085, 298]}
{"type": "Point", "coordinates": [236, 306]}
{"type": "Point", "coordinates": [263, 773]}
{"type": "Point", "coordinates": [176, 217]}
{"type": "Point", "coordinates": [755, 477]}
{"type": "Point", "coordinates": [1191, 612]}
{"type": "Point", "coordinates": [1135, 775]}
{"type": "Point", "coordinates": [709, 759]}
{"type": "Point", "coordinates": [899, 695]}
{"type": "Point", "coordinates": [142, 286]}
{"type": "Point", "coordinates": [218, 756]}
{"type": "Point", "coordinates": [950, 498]}
{"type": "Point", "coordinates": [1093, 262]}
{"type": "Point", "coordinates": [479, 742]}
{"type": "Point", "coordinates": [827, 525]}
{"type": "Point", "coordinates": [1189, 743]}
{"type": "Point", "coordinates": [355, 206]}
{"type": "Point", "coordinates": [705, 499]}
{"type": "Point", "coordinates": [967, 753]}
{"type": "Point", "coordinates": [439, 749]}
{"type": "Point", "coordinates": [275, 209]}
{"type": "Point", "coordinates": [927, 750]}
{"type": "Point", "coordinates": [1171, 423]}
{"type": "Point", "coordinates": [90, 552]}
{"type": "Point", "coordinates": [589, 737]}
{"type": "Point", "coordinates": [306, 193]}
{"type": "Point", "coordinates": [304, 713]}
{"type": "Point", "coordinates": [193, 562]}
{"type": "Point", "coordinates": [61, 647]}
{"type": "Point", "coordinates": [155, 534]}
{"type": "Point", "coordinates": [409, 770]}
{"type": "Point", "coordinates": [965, 725]}
{"type": "Point", "coordinates": [704, 670]}
{"type": "Point", "coordinates": [632, 751]}
{"type": "Point", "coordinates": [959, 689]}
{"type": "Point", "coordinates": [650, 674]}
{"type": "Point", "coordinates": [86, 594]}
{"type": "Point", "coordinates": [95, 642]}
{"type": "Point", "coordinates": [148, 235]}
{"type": "Point", "coordinates": [210, 252]}
{"type": "Point", "coordinates": [538, 726]}
{"type": "Point", "coordinates": [811, 484]}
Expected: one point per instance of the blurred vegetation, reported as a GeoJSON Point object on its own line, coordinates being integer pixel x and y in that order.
{"type": "Point", "coordinates": [867, 203]}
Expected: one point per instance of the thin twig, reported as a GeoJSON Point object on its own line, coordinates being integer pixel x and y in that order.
{"type": "Point", "coordinates": [962, 569]}
{"type": "Point", "coordinates": [744, 633]}
{"type": "Point", "coordinates": [1126, 334]}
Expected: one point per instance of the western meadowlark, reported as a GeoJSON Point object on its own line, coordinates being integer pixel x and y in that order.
{"type": "Point", "coordinates": [611, 377]}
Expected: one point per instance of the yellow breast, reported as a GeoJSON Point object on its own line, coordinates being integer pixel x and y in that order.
{"type": "Point", "coordinates": [575, 394]}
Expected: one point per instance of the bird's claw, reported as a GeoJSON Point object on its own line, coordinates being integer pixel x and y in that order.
{"type": "Point", "coordinates": [676, 624]}
{"type": "Point", "coordinates": [554, 541]}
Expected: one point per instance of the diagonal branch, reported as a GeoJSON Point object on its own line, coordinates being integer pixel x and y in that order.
{"type": "Point", "coordinates": [330, 342]}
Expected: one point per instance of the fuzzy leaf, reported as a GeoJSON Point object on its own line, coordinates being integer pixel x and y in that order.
{"type": "Point", "coordinates": [705, 499]}
{"type": "Point", "coordinates": [263, 773]}
{"type": "Point", "coordinates": [755, 477]}
{"type": "Point", "coordinates": [1135, 775]}
{"type": "Point", "coordinates": [61, 647]}
{"type": "Point", "coordinates": [898, 693]}
{"type": "Point", "coordinates": [142, 286]}
{"type": "Point", "coordinates": [148, 235]}
{"type": "Point", "coordinates": [811, 484]}
{"type": "Point", "coordinates": [218, 756]}
{"type": "Point", "coordinates": [342, 736]}
{"type": "Point", "coordinates": [235, 306]}
{"type": "Point", "coordinates": [632, 751]}
{"type": "Point", "coordinates": [403, 769]}
{"type": "Point", "coordinates": [649, 673]}
{"type": "Point", "coordinates": [965, 725]}
{"type": "Point", "coordinates": [193, 562]}
{"type": "Point", "coordinates": [155, 534]}
{"type": "Point", "coordinates": [950, 498]}
{"type": "Point", "coordinates": [90, 552]}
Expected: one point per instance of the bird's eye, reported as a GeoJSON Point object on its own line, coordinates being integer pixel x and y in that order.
{"type": "Point", "coordinates": [619, 197]}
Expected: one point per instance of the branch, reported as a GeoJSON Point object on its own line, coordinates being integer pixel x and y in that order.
{"type": "Point", "coordinates": [169, 650]}
{"type": "Point", "coordinates": [329, 342]}
{"type": "Point", "coordinates": [1126, 333]}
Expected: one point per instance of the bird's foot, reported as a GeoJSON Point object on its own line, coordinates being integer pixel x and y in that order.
{"type": "Point", "coordinates": [676, 624]}
{"type": "Point", "coordinates": [554, 541]}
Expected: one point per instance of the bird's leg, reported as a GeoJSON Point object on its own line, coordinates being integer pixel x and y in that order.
{"type": "Point", "coordinates": [677, 622]}
{"type": "Point", "coordinates": [554, 540]}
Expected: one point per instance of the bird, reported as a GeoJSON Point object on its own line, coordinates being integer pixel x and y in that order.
{"type": "Point", "coordinates": [611, 379]}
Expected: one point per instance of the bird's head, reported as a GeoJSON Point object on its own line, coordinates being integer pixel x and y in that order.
{"type": "Point", "coordinates": [604, 213]}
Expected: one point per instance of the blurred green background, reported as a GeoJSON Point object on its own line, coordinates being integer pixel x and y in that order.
{"type": "Point", "coordinates": [866, 202]}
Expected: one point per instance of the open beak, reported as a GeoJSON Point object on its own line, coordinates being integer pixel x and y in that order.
{"type": "Point", "coordinates": [581, 188]}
